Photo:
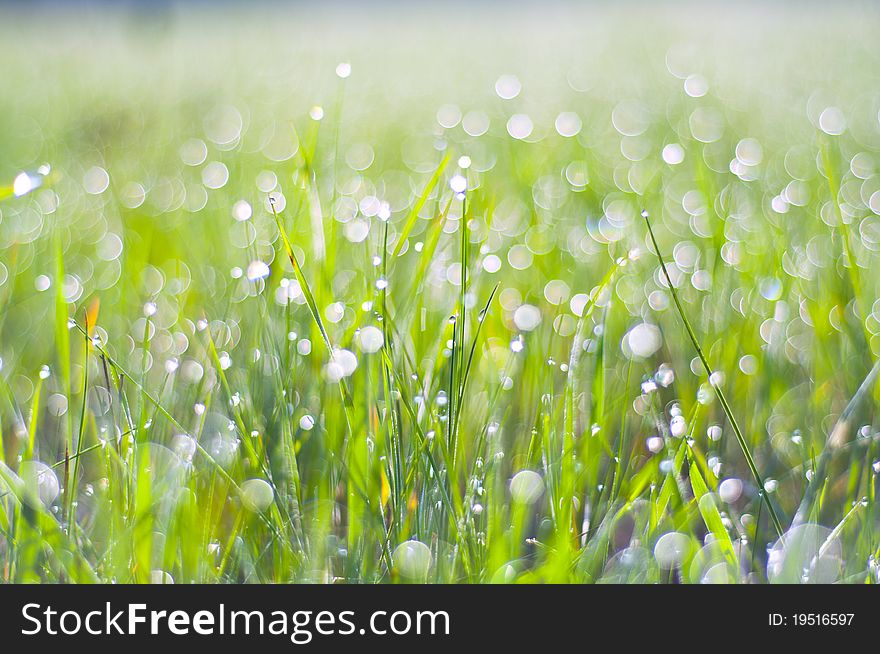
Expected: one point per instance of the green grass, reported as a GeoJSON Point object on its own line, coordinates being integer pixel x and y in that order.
{"type": "Point", "coordinates": [516, 376]}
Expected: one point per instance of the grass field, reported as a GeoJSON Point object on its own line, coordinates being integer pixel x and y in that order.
{"type": "Point", "coordinates": [351, 295]}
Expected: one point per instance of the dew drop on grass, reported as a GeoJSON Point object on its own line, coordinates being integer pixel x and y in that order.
{"type": "Point", "coordinates": [654, 444]}
{"type": "Point", "coordinates": [696, 86]}
{"type": "Point", "coordinates": [673, 154]}
{"type": "Point", "coordinates": [41, 482]}
{"type": "Point", "coordinates": [458, 184]}
{"type": "Point", "coordinates": [184, 446]}
{"type": "Point", "coordinates": [527, 317]}
{"type": "Point", "coordinates": [257, 270]}
{"type": "Point", "coordinates": [678, 426]}
{"type": "Point", "coordinates": [730, 490]}
{"type": "Point", "coordinates": [832, 121]}
{"type": "Point", "coordinates": [491, 264]}
{"type": "Point", "coordinates": [568, 124]}
{"type": "Point", "coordinates": [748, 364]}
{"type": "Point", "coordinates": [642, 341]}
{"type": "Point", "coordinates": [671, 549]}
{"type": "Point", "coordinates": [526, 487]}
{"type": "Point", "coordinates": [370, 339]}
{"type": "Point", "coordinates": [24, 183]}
{"type": "Point", "coordinates": [257, 495]}
{"type": "Point", "coordinates": [215, 175]}
{"type": "Point", "coordinates": [242, 211]}
{"type": "Point", "coordinates": [96, 180]}
{"type": "Point", "coordinates": [520, 126]}
{"type": "Point", "coordinates": [807, 553]}
{"type": "Point", "coordinates": [508, 87]}
{"type": "Point", "coordinates": [42, 282]}
{"type": "Point", "coordinates": [412, 560]}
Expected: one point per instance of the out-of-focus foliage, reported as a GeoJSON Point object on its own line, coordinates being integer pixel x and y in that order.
{"type": "Point", "coordinates": [477, 373]}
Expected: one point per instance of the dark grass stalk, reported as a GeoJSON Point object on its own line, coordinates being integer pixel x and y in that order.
{"type": "Point", "coordinates": [750, 460]}
{"type": "Point", "coordinates": [71, 489]}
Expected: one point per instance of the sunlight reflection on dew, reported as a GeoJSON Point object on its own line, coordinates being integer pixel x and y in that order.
{"type": "Point", "coordinates": [412, 560]}
{"type": "Point", "coordinates": [520, 126]}
{"type": "Point", "coordinates": [508, 87]}
{"type": "Point", "coordinates": [526, 487]}
{"type": "Point", "coordinates": [257, 495]}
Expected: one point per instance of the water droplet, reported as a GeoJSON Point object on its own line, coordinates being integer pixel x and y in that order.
{"type": "Point", "coordinates": [655, 444]}
{"type": "Point", "coordinates": [412, 560]}
{"type": "Point", "coordinates": [24, 183]}
{"type": "Point", "coordinates": [665, 375]}
{"type": "Point", "coordinates": [526, 487]}
{"type": "Point", "coordinates": [242, 211]}
{"type": "Point", "coordinates": [730, 490]}
{"type": "Point", "coordinates": [678, 426]}
{"type": "Point", "coordinates": [527, 317]}
{"type": "Point", "coordinates": [257, 270]}
{"type": "Point", "coordinates": [671, 548]}
{"type": "Point", "coordinates": [642, 341]}
{"type": "Point", "coordinates": [257, 495]}
{"type": "Point", "coordinates": [458, 184]}
{"type": "Point", "coordinates": [370, 339]}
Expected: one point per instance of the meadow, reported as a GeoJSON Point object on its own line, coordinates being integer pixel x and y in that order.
{"type": "Point", "coordinates": [469, 294]}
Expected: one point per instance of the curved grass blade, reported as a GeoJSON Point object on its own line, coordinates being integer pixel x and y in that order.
{"type": "Point", "coordinates": [750, 460]}
{"type": "Point", "coordinates": [414, 212]}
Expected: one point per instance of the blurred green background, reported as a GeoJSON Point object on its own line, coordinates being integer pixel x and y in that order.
{"type": "Point", "coordinates": [153, 141]}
